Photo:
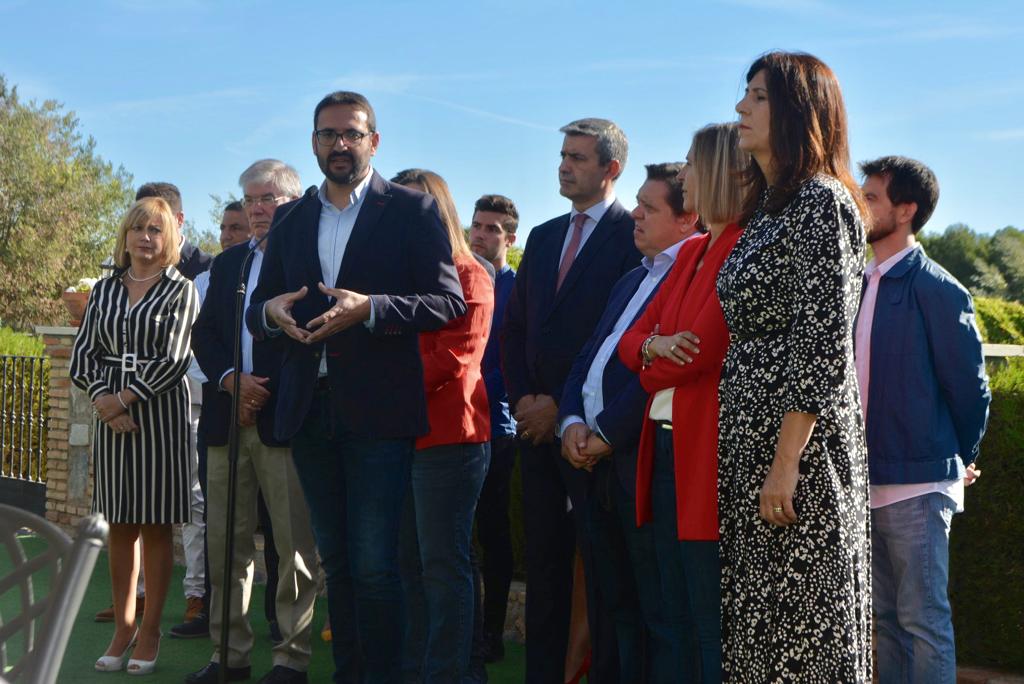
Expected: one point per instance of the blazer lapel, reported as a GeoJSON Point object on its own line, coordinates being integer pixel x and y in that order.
{"type": "Point", "coordinates": [602, 233]}
{"type": "Point", "coordinates": [378, 194]}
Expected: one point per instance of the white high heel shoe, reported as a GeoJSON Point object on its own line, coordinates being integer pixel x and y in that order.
{"type": "Point", "coordinates": [143, 667]}
{"type": "Point", "coordinates": [108, 663]}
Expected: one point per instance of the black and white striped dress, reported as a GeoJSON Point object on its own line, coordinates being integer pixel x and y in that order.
{"type": "Point", "coordinates": [142, 477]}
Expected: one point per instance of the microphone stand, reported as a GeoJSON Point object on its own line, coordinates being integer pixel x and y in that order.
{"type": "Point", "coordinates": [236, 380]}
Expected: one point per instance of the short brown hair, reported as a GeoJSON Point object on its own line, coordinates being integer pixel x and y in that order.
{"type": "Point", "coordinates": [719, 165]}
{"type": "Point", "coordinates": [168, 192]}
{"type": "Point", "coordinates": [500, 204]}
{"type": "Point", "coordinates": [668, 173]}
{"type": "Point", "coordinates": [146, 211]}
{"type": "Point", "coordinates": [351, 99]}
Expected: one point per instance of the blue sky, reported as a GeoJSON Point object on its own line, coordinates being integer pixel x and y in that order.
{"type": "Point", "coordinates": [193, 91]}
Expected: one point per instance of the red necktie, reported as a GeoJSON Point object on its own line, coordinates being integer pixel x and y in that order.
{"type": "Point", "coordinates": [570, 253]}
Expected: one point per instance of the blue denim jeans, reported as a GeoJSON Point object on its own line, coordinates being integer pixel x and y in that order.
{"type": "Point", "coordinates": [691, 577]}
{"type": "Point", "coordinates": [355, 487]}
{"type": "Point", "coordinates": [910, 574]}
{"type": "Point", "coordinates": [437, 576]}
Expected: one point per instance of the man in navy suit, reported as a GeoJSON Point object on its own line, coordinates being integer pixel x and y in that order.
{"type": "Point", "coordinates": [600, 417]}
{"type": "Point", "coordinates": [351, 275]}
{"type": "Point", "coordinates": [568, 268]}
{"type": "Point", "coordinates": [264, 461]}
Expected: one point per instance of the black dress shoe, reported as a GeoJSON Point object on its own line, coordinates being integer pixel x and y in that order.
{"type": "Point", "coordinates": [284, 675]}
{"type": "Point", "coordinates": [210, 674]}
{"type": "Point", "coordinates": [195, 628]}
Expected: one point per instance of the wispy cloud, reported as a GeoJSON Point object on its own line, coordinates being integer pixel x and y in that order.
{"type": "Point", "coordinates": [494, 116]}
{"type": "Point", "coordinates": [1004, 135]}
{"type": "Point", "coordinates": [173, 103]}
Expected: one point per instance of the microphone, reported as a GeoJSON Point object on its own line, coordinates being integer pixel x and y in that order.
{"type": "Point", "coordinates": [311, 191]}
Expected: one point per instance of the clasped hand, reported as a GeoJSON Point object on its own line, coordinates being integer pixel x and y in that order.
{"type": "Point", "coordinates": [582, 448]}
{"type": "Point", "coordinates": [110, 411]}
{"type": "Point", "coordinates": [349, 308]}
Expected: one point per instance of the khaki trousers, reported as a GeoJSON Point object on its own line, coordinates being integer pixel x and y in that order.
{"type": "Point", "coordinates": [270, 469]}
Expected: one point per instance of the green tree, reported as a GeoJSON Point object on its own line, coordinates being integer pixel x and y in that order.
{"type": "Point", "coordinates": [1007, 254]}
{"type": "Point", "coordinates": [959, 249]}
{"type": "Point", "coordinates": [60, 204]}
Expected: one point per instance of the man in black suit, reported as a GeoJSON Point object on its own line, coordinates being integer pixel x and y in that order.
{"type": "Point", "coordinates": [352, 274]}
{"type": "Point", "coordinates": [567, 272]}
{"type": "Point", "coordinates": [264, 461]}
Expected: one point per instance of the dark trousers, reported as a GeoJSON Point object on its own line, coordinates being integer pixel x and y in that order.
{"type": "Point", "coordinates": [691, 573]}
{"type": "Point", "coordinates": [201, 451]}
{"type": "Point", "coordinates": [614, 543]}
{"type": "Point", "coordinates": [586, 491]}
{"type": "Point", "coordinates": [495, 535]}
{"type": "Point", "coordinates": [355, 487]}
{"type": "Point", "coordinates": [550, 547]}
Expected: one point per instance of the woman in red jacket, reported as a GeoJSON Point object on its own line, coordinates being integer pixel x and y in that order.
{"type": "Point", "coordinates": [448, 468]}
{"type": "Point", "coordinates": [677, 347]}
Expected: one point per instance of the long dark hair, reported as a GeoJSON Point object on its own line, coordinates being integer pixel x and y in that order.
{"type": "Point", "coordinates": [808, 131]}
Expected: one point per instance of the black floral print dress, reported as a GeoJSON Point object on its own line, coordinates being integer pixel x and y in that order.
{"type": "Point", "coordinates": [796, 601]}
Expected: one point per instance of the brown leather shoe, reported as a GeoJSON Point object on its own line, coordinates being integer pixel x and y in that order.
{"type": "Point", "coordinates": [107, 614]}
{"type": "Point", "coordinates": [193, 607]}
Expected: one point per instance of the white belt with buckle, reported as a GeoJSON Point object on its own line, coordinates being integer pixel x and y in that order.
{"type": "Point", "coordinates": [129, 361]}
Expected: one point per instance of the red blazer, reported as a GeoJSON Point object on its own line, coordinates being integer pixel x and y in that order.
{"type": "Point", "coordinates": [457, 407]}
{"type": "Point", "coordinates": [686, 301]}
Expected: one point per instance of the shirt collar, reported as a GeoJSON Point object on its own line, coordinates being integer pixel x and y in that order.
{"type": "Point", "coordinates": [595, 212]}
{"type": "Point", "coordinates": [355, 199]}
{"type": "Point", "coordinates": [884, 267]}
{"type": "Point", "coordinates": [666, 257]}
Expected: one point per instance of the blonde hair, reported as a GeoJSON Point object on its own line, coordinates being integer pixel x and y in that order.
{"type": "Point", "coordinates": [719, 164]}
{"type": "Point", "coordinates": [436, 187]}
{"type": "Point", "coordinates": [145, 212]}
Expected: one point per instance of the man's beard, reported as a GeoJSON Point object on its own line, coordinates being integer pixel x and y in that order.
{"type": "Point", "coordinates": [881, 230]}
{"type": "Point", "coordinates": [356, 170]}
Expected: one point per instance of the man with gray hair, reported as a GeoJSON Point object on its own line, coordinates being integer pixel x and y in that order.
{"type": "Point", "coordinates": [566, 275]}
{"type": "Point", "coordinates": [264, 463]}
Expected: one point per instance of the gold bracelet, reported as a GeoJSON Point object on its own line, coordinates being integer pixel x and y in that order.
{"type": "Point", "coordinates": [645, 350]}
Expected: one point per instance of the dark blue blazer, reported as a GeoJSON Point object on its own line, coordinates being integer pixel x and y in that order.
{"type": "Point", "coordinates": [399, 254]}
{"type": "Point", "coordinates": [624, 398]}
{"type": "Point", "coordinates": [193, 260]}
{"type": "Point", "coordinates": [544, 331]}
{"type": "Point", "coordinates": [213, 337]}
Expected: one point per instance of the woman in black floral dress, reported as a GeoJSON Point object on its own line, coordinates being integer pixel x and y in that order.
{"type": "Point", "coordinates": [793, 488]}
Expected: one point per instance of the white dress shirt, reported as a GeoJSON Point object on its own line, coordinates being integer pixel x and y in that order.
{"type": "Point", "coordinates": [194, 372]}
{"type": "Point", "coordinates": [593, 386]}
{"type": "Point", "coordinates": [250, 285]}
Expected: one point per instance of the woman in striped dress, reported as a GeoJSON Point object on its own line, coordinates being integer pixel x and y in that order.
{"type": "Point", "coordinates": [130, 356]}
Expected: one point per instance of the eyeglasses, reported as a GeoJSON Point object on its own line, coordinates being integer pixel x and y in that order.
{"type": "Point", "coordinates": [328, 136]}
{"type": "Point", "coordinates": [248, 202]}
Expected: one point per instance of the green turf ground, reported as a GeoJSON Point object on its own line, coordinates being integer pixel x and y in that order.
{"type": "Point", "coordinates": [178, 657]}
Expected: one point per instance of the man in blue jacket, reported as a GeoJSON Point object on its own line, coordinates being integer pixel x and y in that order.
{"type": "Point", "coordinates": [925, 398]}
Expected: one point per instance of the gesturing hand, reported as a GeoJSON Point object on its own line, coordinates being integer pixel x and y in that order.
{"type": "Point", "coordinates": [279, 312]}
{"type": "Point", "coordinates": [349, 308]}
{"type": "Point", "coordinates": [676, 348]}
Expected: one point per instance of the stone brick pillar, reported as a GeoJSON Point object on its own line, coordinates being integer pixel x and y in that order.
{"type": "Point", "coordinates": [68, 466]}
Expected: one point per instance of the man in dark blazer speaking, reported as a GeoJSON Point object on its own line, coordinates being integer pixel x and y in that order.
{"type": "Point", "coordinates": [351, 275]}
{"type": "Point", "coordinates": [568, 269]}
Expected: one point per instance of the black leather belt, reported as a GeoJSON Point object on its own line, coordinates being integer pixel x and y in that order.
{"type": "Point", "coordinates": [664, 424]}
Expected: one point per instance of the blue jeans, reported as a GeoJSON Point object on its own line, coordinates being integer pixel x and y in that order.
{"type": "Point", "coordinates": [355, 487]}
{"type": "Point", "coordinates": [910, 573]}
{"type": "Point", "coordinates": [437, 529]}
{"type": "Point", "coordinates": [691, 577]}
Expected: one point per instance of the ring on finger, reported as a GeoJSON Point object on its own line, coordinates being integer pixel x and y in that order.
{"type": "Point", "coordinates": [673, 348]}
{"type": "Point", "coordinates": [776, 509]}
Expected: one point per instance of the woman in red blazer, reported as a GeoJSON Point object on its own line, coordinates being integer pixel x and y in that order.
{"type": "Point", "coordinates": [677, 347]}
{"type": "Point", "coordinates": [448, 468]}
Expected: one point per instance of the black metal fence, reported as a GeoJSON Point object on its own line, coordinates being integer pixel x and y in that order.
{"type": "Point", "coordinates": [24, 410]}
